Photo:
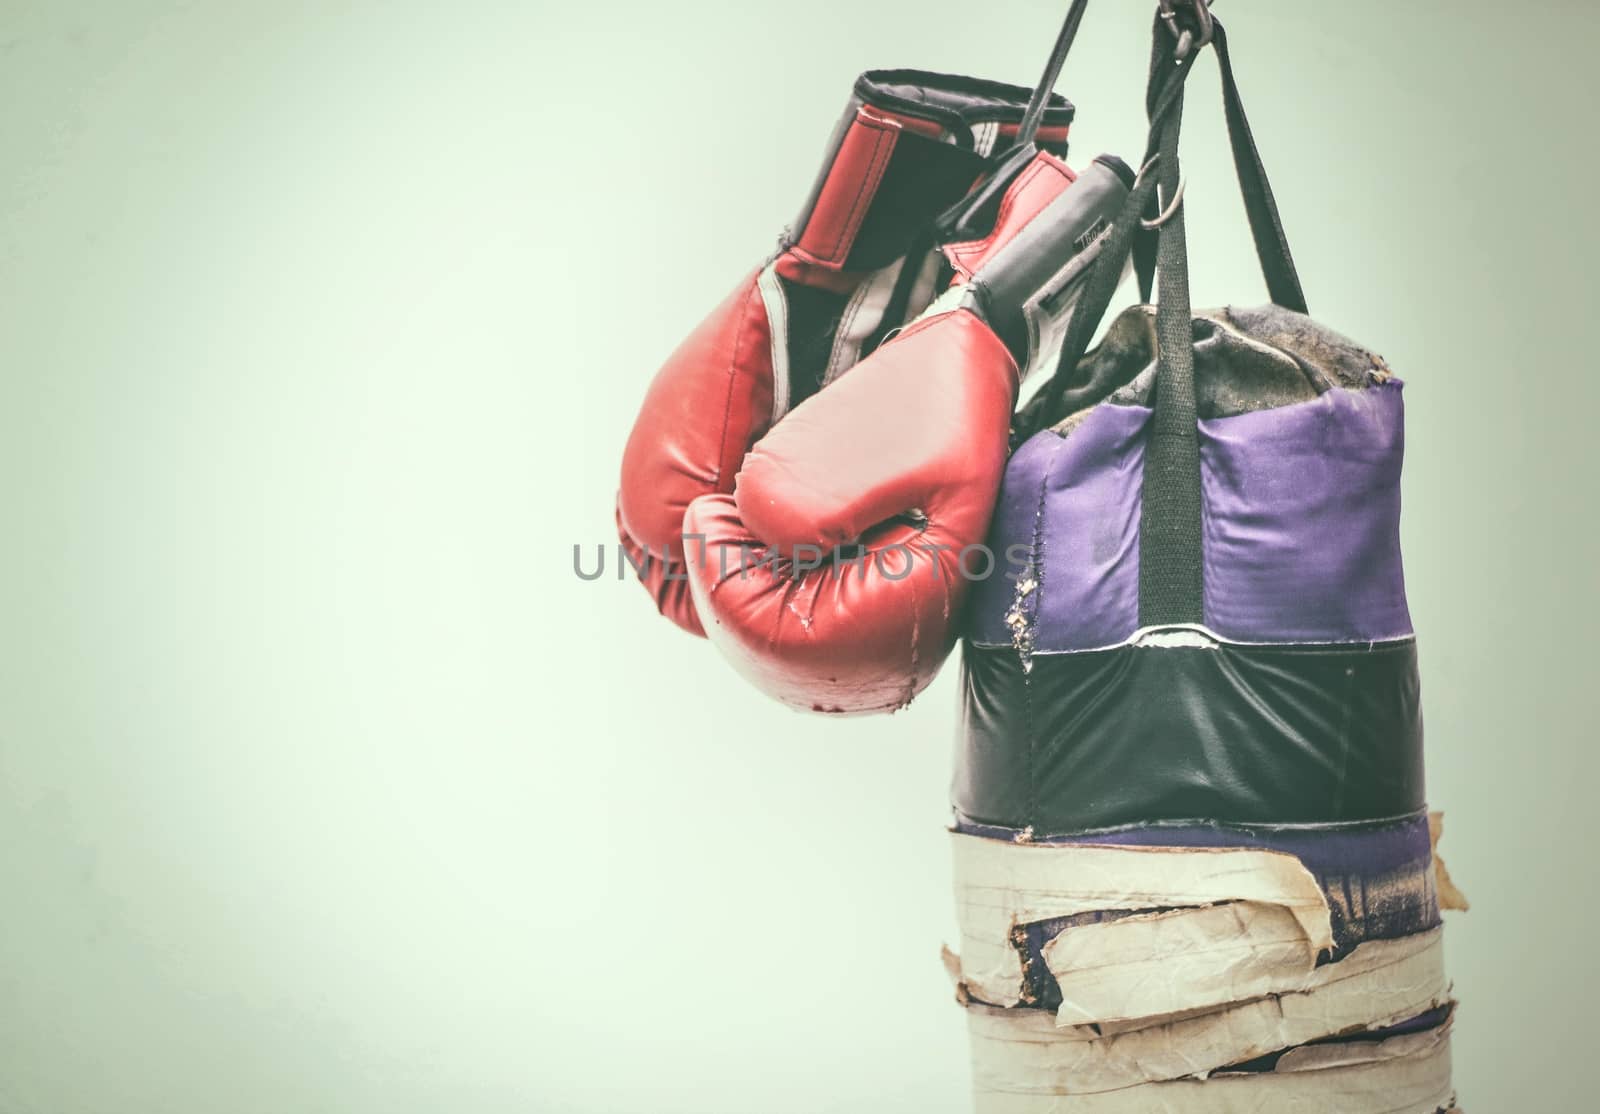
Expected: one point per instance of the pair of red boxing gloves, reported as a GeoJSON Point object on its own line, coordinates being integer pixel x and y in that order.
{"type": "Point", "coordinates": [812, 473]}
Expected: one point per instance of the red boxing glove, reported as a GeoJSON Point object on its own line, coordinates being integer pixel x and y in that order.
{"type": "Point", "coordinates": [901, 462]}
{"type": "Point", "coordinates": [857, 263]}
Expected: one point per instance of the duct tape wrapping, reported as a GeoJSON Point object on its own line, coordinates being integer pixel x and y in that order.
{"type": "Point", "coordinates": [1187, 978]}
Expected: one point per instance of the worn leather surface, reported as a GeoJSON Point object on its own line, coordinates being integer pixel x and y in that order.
{"type": "Point", "coordinates": [1231, 734]}
{"type": "Point", "coordinates": [1043, 181]}
{"type": "Point", "coordinates": [1028, 289]}
{"type": "Point", "coordinates": [917, 432]}
{"type": "Point", "coordinates": [919, 425]}
{"type": "Point", "coordinates": [896, 161]}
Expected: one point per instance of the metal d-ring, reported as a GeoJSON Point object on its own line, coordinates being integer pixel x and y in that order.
{"type": "Point", "coordinates": [1188, 40]}
{"type": "Point", "coordinates": [1172, 206]}
{"type": "Point", "coordinates": [1202, 15]}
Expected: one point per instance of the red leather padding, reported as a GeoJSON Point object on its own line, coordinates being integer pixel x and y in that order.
{"type": "Point", "coordinates": [922, 424]}
{"type": "Point", "coordinates": [932, 129]}
{"type": "Point", "coordinates": [1050, 135]}
{"type": "Point", "coordinates": [711, 399]}
{"type": "Point", "coordinates": [848, 190]}
{"type": "Point", "coordinates": [1038, 185]}
{"type": "Point", "coordinates": [666, 579]}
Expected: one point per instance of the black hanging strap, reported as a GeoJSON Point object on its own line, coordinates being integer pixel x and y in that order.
{"type": "Point", "coordinates": [1171, 588]}
{"type": "Point", "coordinates": [1052, 71]}
{"type": "Point", "coordinates": [963, 220]}
{"type": "Point", "coordinates": [1101, 285]}
{"type": "Point", "coordinates": [1272, 246]}
{"type": "Point", "coordinates": [1167, 76]}
{"type": "Point", "coordinates": [1163, 61]}
{"type": "Point", "coordinates": [1170, 570]}
{"type": "Point", "coordinates": [1266, 227]}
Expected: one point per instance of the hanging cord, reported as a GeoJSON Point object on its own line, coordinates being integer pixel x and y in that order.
{"type": "Point", "coordinates": [961, 221]}
{"type": "Point", "coordinates": [1052, 71]}
{"type": "Point", "coordinates": [1106, 274]}
{"type": "Point", "coordinates": [1171, 516]}
{"type": "Point", "coordinates": [1167, 74]}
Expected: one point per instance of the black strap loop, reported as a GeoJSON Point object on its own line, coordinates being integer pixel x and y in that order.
{"type": "Point", "coordinates": [962, 220]}
{"type": "Point", "coordinates": [1167, 75]}
{"type": "Point", "coordinates": [1170, 571]}
{"type": "Point", "coordinates": [1266, 227]}
{"type": "Point", "coordinates": [1106, 274]}
{"type": "Point", "coordinates": [1171, 587]}
{"type": "Point", "coordinates": [1052, 71]}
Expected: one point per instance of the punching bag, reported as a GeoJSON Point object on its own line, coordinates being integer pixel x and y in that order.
{"type": "Point", "coordinates": [1193, 860]}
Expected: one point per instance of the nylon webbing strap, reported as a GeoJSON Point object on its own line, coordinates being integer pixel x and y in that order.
{"type": "Point", "coordinates": [1162, 65]}
{"type": "Point", "coordinates": [1272, 246]}
{"type": "Point", "coordinates": [962, 220]}
{"type": "Point", "coordinates": [1260, 208]}
{"type": "Point", "coordinates": [1170, 571]}
{"type": "Point", "coordinates": [1101, 286]}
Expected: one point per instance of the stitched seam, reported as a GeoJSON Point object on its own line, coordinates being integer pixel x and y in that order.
{"type": "Point", "coordinates": [778, 343]}
{"type": "Point", "coordinates": [1031, 221]}
{"type": "Point", "coordinates": [842, 335]}
{"type": "Point", "coordinates": [916, 634]}
{"type": "Point", "coordinates": [733, 376]}
{"type": "Point", "coordinates": [882, 151]}
{"type": "Point", "coordinates": [926, 323]}
{"type": "Point", "coordinates": [1036, 169]}
{"type": "Point", "coordinates": [960, 252]}
{"type": "Point", "coordinates": [875, 166]}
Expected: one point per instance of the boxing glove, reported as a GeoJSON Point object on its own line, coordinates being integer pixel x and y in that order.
{"type": "Point", "coordinates": [857, 263]}
{"type": "Point", "coordinates": [834, 575]}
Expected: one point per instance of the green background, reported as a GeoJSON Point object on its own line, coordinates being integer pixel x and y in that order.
{"type": "Point", "coordinates": [325, 785]}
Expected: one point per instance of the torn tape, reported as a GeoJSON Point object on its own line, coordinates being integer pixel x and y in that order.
{"type": "Point", "coordinates": [1450, 896]}
{"type": "Point", "coordinates": [1404, 1074]}
{"type": "Point", "coordinates": [1002, 885]}
{"type": "Point", "coordinates": [1380, 984]}
{"type": "Point", "coordinates": [1181, 959]}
